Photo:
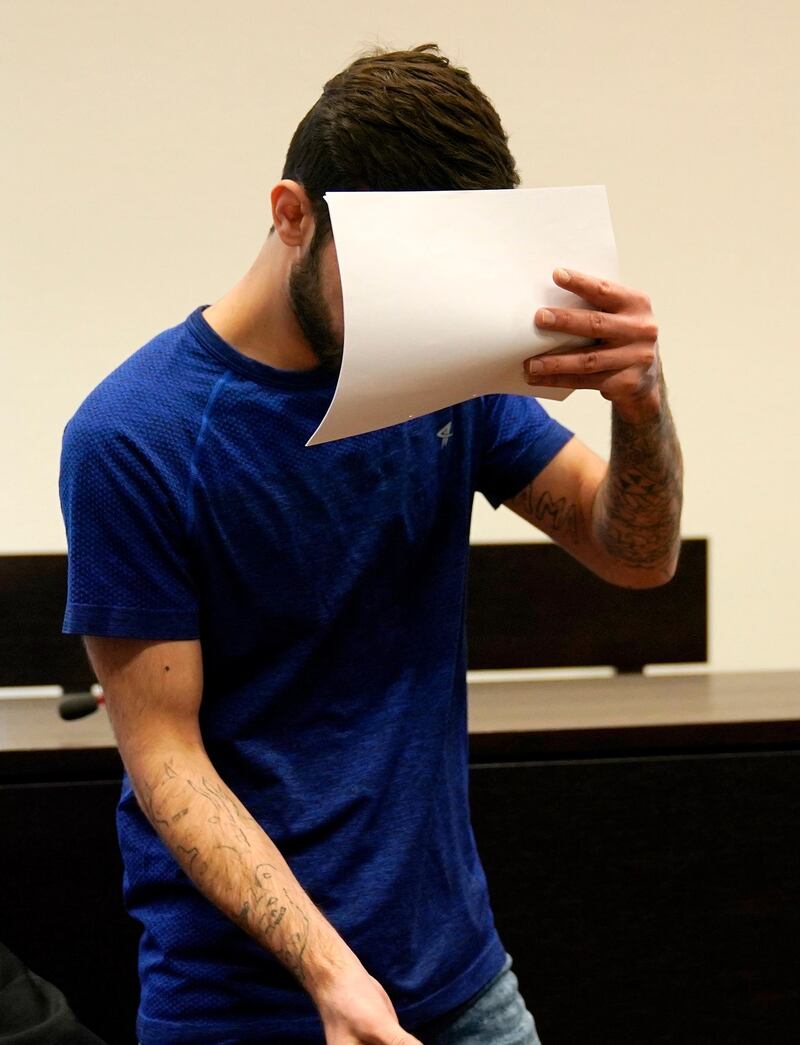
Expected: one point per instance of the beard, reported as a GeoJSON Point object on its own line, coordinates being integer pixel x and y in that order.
{"type": "Point", "coordinates": [311, 311]}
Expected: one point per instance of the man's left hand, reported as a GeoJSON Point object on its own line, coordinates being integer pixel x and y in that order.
{"type": "Point", "coordinates": [623, 363]}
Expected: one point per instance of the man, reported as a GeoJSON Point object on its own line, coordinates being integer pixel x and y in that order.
{"type": "Point", "coordinates": [279, 629]}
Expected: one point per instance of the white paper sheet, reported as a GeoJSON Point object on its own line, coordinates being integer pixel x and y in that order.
{"type": "Point", "coordinates": [440, 290]}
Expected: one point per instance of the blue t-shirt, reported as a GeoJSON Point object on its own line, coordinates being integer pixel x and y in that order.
{"type": "Point", "coordinates": [326, 585]}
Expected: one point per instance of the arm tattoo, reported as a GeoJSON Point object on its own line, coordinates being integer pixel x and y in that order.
{"type": "Point", "coordinates": [219, 853]}
{"type": "Point", "coordinates": [638, 507]}
{"type": "Point", "coordinates": [292, 954]}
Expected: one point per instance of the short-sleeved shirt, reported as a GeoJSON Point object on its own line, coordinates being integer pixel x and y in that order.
{"type": "Point", "coordinates": [326, 585]}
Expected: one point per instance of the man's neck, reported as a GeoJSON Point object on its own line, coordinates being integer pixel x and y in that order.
{"type": "Point", "coordinates": [256, 318]}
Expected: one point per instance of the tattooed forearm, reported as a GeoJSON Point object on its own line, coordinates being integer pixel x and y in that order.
{"type": "Point", "coordinates": [189, 855]}
{"type": "Point", "coordinates": [224, 854]}
{"type": "Point", "coordinates": [638, 506]}
{"type": "Point", "coordinates": [293, 951]}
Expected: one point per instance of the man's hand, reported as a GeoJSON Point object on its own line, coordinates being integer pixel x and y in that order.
{"type": "Point", "coordinates": [357, 1011]}
{"type": "Point", "coordinates": [623, 364]}
{"type": "Point", "coordinates": [622, 520]}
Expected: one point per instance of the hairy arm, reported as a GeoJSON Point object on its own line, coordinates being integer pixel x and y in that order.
{"type": "Point", "coordinates": [153, 692]}
{"type": "Point", "coordinates": [234, 863]}
{"type": "Point", "coordinates": [621, 519]}
{"type": "Point", "coordinates": [636, 513]}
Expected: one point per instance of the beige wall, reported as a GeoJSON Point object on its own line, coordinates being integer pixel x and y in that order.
{"type": "Point", "coordinates": [139, 141]}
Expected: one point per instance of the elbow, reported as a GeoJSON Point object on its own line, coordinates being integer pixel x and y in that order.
{"type": "Point", "coordinates": [641, 577]}
{"type": "Point", "coordinates": [643, 581]}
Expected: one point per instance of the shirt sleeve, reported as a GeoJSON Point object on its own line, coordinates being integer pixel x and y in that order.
{"type": "Point", "coordinates": [519, 439]}
{"type": "Point", "coordinates": [128, 571]}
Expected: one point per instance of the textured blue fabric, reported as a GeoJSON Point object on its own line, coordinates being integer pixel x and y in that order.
{"type": "Point", "coordinates": [326, 585]}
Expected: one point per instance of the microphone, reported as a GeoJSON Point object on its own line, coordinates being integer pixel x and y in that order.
{"type": "Point", "coordinates": [79, 705]}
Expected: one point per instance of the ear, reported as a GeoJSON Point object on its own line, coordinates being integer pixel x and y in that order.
{"type": "Point", "coordinates": [292, 213]}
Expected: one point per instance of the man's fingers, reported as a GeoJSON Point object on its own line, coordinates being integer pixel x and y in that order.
{"type": "Point", "coordinates": [601, 293]}
{"type": "Point", "coordinates": [631, 382]}
{"type": "Point", "coordinates": [605, 326]}
{"type": "Point", "coordinates": [589, 361]}
{"type": "Point", "coordinates": [568, 381]}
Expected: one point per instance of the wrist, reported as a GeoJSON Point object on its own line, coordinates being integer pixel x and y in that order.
{"type": "Point", "coordinates": [333, 970]}
{"type": "Point", "coordinates": [639, 409]}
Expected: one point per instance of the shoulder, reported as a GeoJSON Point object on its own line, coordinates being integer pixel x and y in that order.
{"type": "Point", "coordinates": [152, 403]}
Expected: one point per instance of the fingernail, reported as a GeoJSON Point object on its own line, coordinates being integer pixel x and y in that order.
{"type": "Point", "coordinates": [562, 275]}
{"type": "Point", "coordinates": [546, 317]}
{"type": "Point", "coordinates": [534, 367]}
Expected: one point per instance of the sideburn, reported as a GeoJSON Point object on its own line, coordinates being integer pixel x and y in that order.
{"type": "Point", "coordinates": [310, 308]}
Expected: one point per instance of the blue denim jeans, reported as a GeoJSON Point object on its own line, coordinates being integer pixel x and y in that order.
{"type": "Point", "coordinates": [496, 1015]}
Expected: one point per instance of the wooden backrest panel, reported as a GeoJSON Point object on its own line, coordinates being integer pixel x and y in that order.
{"type": "Point", "coordinates": [33, 652]}
{"type": "Point", "coordinates": [533, 606]}
{"type": "Point", "coordinates": [529, 605]}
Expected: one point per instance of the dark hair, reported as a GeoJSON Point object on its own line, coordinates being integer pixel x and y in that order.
{"type": "Point", "coordinates": [400, 120]}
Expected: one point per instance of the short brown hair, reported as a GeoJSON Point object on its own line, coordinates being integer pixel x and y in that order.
{"type": "Point", "coordinates": [400, 120]}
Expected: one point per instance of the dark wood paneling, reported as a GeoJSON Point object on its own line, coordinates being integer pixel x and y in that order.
{"type": "Point", "coordinates": [534, 606]}
{"type": "Point", "coordinates": [60, 765]}
{"type": "Point", "coordinates": [649, 900]}
{"type": "Point", "coordinates": [61, 908]}
{"type": "Point", "coordinates": [33, 652]}
{"type": "Point", "coordinates": [633, 741]}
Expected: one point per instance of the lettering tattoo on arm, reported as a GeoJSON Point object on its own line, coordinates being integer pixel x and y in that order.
{"type": "Point", "coordinates": [558, 515]}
